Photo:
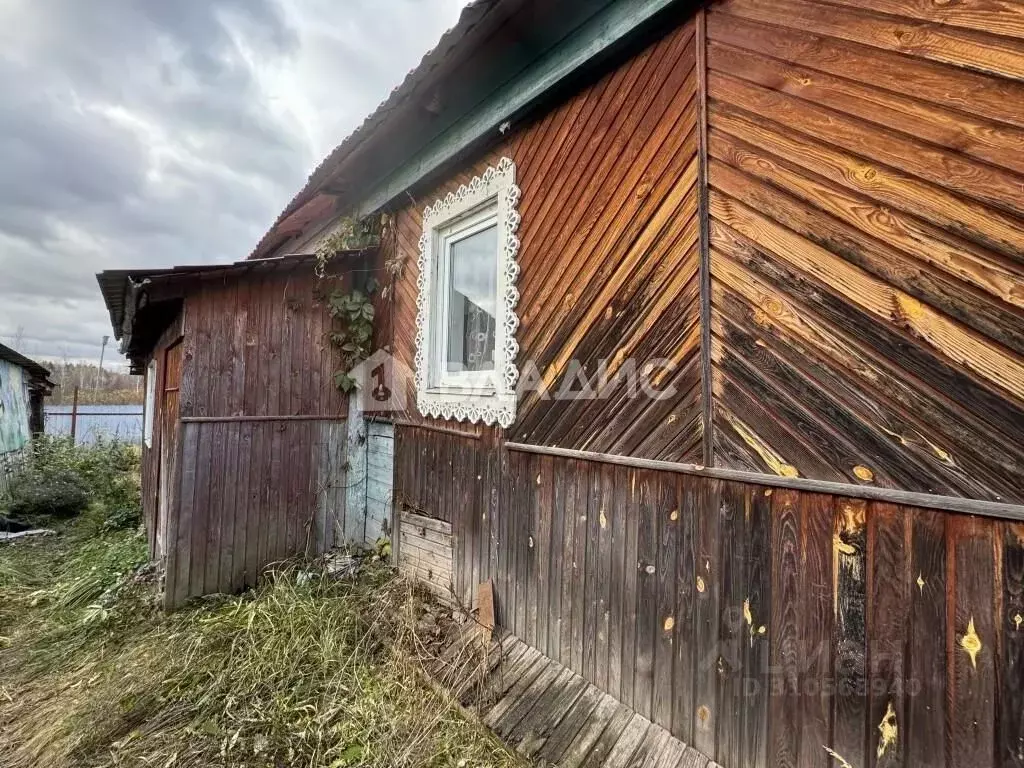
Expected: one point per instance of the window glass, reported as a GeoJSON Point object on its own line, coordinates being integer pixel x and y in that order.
{"type": "Point", "coordinates": [472, 301]}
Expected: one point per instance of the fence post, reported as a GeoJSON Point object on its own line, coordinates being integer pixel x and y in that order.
{"type": "Point", "coordinates": [74, 415]}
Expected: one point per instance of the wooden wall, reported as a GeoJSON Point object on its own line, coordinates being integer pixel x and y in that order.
{"type": "Point", "coordinates": [862, 198]}
{"type": "Point", "coordinates": [253, 493]}
{"type": "Point", "coordinates": [262, 473]}
{"type": "Point", "coordinates": [765, 627]}
{"type": "Point", "coordinates": [608, 254]}
{"type": "Point", "coordinates": [862, 189]}
{"type": "Point", "coordinates": [866, 169]}
{"type": "Point", "coordinates": [257, 346]}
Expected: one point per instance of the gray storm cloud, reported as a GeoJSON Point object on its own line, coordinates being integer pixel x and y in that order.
{"type": "Point", "coordinates": [146, 133]}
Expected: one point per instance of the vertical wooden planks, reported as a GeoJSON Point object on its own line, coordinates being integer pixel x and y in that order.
{"type": "Point", "coordinates": [888, 598]}
{"type": "Point", "coordinates": [201, 527]}
{"type": "Point", "coordinates": [783, 715]}
{"type": "Point", "coordinates": [504, 583]}
{"type": "Point", "coordinates": [604, 510]}
{"type": "Point", "coordinates": [926, 686]}
{"type": "Point", "coordinates": [816, 618]}
{"type": "Point", "coordinates": [629, 588]}
{"type": "Point", "coordinates": [523, 535]}
{"type": "Point", "coordinates": [805, 629]}
{"type": "Point", "coordinates": [561, 559]}
{"type": "Point", "coordinates": [179, 561]}
{"type": "Point", "coordinates": [647, 630]}
{"type": "Point", "coordinates": [617, 522]}
{"type": "Point", "coordinates": [756, 617]}
{"type": "Point", "coordinates": [708, 581]}
{"type": "Point", "coordinates": [579, 561]}
{"type": "Point", "coordinates": [542, 502]}
{"type": "Point", "coordinates": [734, 511]}
{"type": "Point", "coordinates": [1010, 714]}
{"type": "Point", "coordinates": [591, 615]}
{"type": "Point", "coordinates": [461, 518]}
{"type": "Point", "coordinates": [850, 598]}
{"type": "Point", "coordinates": [684, 657]}
{"type": "Point", "coordinates": [667, 514]}
{"type": "Point", "coordinates": [971, 643]}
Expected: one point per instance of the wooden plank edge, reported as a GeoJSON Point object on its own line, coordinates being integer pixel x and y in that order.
{"type": "Point", "coordinates": [996, 509]}
{"type": "Point", "coordinates": [707, 416]}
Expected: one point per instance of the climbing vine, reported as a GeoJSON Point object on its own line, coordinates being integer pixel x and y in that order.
{"type": "Point", "coordinates": [352, 308]}
{"type": "Point", "coordinates": [351, 234]}
{"type": "Point", "coordinates": [354, 334]}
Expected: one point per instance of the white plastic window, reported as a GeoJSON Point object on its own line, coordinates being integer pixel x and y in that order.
{"type": "Point", "coordinates": [466, 345]}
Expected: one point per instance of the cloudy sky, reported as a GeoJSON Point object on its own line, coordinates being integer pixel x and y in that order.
{"type": "Point", "coordinates": [140, 133]}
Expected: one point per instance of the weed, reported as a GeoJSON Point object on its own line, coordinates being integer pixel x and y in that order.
{"type": "Point", "coordinates": [62, 479]}
{"type": "Point", "coordinates": [306, 670]}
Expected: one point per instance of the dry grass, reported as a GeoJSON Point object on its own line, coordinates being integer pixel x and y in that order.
{"type": "Point", "coordinates": [304, 671]}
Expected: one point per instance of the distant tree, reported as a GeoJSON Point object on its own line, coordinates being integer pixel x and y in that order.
{"type": "Point", "coordinates": [107, 386]}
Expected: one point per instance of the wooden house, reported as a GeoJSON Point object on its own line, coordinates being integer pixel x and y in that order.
{"type": "Point", "coordinates": [715, 318]}
{"type": "Point", "coordinates": [24, 384]}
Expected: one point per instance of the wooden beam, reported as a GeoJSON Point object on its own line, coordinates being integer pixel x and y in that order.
{"type": "Point", "coordinates": [248, 419]}
{"type": "Point", "coordinates": [908, 498]}
{"type": "Point", "coordinates": [596, 37]}
{"type": "Point", "coordinates": [430, 426]}
{"type": "Point", "coordinates": [707, 407]}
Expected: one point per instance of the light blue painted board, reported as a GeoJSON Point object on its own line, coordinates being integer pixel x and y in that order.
{"type": "Point", "coordinates": [14, 432]}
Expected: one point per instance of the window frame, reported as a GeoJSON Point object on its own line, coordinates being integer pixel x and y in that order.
{"type": "Point", "coordinates": [490, 199]}
{"type": "Point", "coordinates": [454, 232]}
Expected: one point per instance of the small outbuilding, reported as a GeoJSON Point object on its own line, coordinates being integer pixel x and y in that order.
{"type": "Point", "coordinates": [248, 458]}
{"type": "Point", "coordinates": [23, 385]}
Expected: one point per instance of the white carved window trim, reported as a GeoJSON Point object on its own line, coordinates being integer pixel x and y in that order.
{"type": "Point", "coordinates": [493, 401]}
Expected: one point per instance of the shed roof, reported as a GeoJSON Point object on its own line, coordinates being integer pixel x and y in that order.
{"type": "Point", "coordinates": [40, 375]}
{"type": "Point", "coordinates": [142, 303]}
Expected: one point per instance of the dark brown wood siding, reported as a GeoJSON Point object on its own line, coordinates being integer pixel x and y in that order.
{"type": "Point", "coordinates": [608, 256]}
{"type": "Point", "coordinates": [866, 172]}
{"type": "Point", "coordinates": [256, 345]}
{"type": "Point", "coordinates": [261, 475]}
{"type": "Point", "coordinates": [865, 300]}
{"type": "Point", "coordinates": [253, 493]}
{"type": "Point", "coordinates": [766, 627]}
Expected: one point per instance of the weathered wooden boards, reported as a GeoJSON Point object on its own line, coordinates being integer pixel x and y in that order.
{"type": "Point", "coordinates": [252, 494]}
{"type": "Point", "coordinates": [765, 627]}
{"type": "Point", "coordinates": [550, 714]}
{"type": "Point", "coordinates": [608, 257]}
{"type": "Point", "coordinates": [866, 177]}
{"type": "Point", "coordinates": [257, 345]}
{"type": "Point", "coordinates": [425, 552]}
{"type": "Point", "coordinates": [256, 483]}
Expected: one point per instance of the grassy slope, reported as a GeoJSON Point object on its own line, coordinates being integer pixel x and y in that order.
{"type": "Point", "coordinates": [305, 671]}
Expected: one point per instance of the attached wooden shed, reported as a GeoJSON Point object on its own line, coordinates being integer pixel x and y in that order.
{"type": "Point", "coordinates": [246, 456]}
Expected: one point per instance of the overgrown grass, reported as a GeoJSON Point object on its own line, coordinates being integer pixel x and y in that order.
{"type": "Point", "coordinates": [304, 671]}
{"type": "Point", "coordinates": [62, 479]}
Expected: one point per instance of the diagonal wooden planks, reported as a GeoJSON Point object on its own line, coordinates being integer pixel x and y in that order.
{"type": "Point", "coordinates": [867, 318]}
{"type": "Point", "coordinates": [553, 715]}
{"type": "Point", "coordinates": [608, 256]}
